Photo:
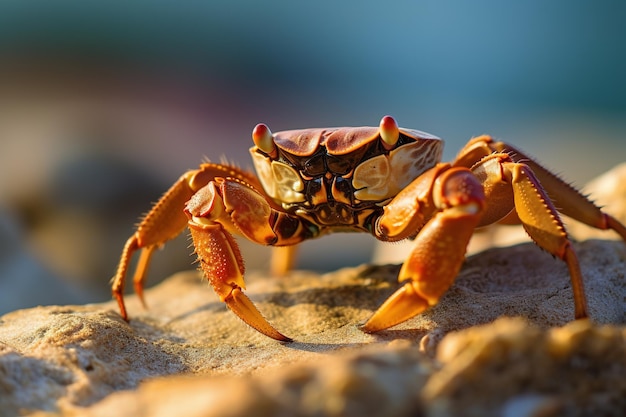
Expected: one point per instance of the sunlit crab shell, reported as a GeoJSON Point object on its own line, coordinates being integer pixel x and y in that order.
{"type": "Point", "coordinates": [374, 177]}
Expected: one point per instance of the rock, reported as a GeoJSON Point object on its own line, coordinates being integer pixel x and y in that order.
{"type": "Point", "coordinates": [51, 356]}
{"type": "Point", "coordinates": [68, 358]}
{"type": "Point", "coordinates": [398, 381]}
{"type": "Point", "coordinates": [369, 382]}
{"type": "Point", "coordinates": [85, 360]}
{"type": "Point", "coordinates": [508, 365]}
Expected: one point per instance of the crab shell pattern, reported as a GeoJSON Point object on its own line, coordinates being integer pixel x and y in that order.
{"type": "Point", "coordinates": [342, 177]}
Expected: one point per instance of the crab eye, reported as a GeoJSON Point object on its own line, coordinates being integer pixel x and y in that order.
{"type": "Point", "coordinates": [263, 139]}
{"type": "Point", "coordinates": [389, 132]}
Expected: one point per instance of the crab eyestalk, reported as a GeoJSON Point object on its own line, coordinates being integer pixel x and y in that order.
{"type": "Point", "coordinates": [263, 138]}
{"type": "Point", "coordinates": [389, 132]}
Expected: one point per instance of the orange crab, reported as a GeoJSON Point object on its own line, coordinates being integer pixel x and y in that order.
{"type": "Point", "coordinates": [386, 181]}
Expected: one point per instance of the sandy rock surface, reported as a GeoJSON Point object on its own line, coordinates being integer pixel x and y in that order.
{"type": "Point", "coordinates": [469, 355]}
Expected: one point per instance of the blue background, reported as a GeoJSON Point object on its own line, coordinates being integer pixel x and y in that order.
{"type": "Point", "coordinates": [104, 105]}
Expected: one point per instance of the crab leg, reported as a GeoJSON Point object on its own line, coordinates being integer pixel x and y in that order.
{"type": "Point", "coordinates": [440, 246]}
{"type": "Point", "coordinates": [227, 206]}
{"type": "Point", "coordinates": [571, 202]}
{"type": "Point", "coordinates": [282, 260]}
{"type": "Point", "coordinates": [222, 264]}
{"type": "Point", "coordinates": [165, 221]}
{"type": "Point", "coordinates": [541, 221]}
{"type": "Point", "coordinates": [501, 177]}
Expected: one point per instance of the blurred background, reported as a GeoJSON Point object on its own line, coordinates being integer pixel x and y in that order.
{"type": "Point", "coordinates": [104, 104]}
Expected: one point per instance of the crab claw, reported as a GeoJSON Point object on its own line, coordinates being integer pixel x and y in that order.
{"type": "Point", "coordinates": [401, 306]}
{"type": "Point", "coordinates": [241, 305]}
{"type": "Point", "coordinates": [439, 248]}
{"type": "Point", "coordinates": [389, 132]}
{"type": "Point", "coordinates": [220, 258]}
{"type": "Point", "coordinates": [224, 269]}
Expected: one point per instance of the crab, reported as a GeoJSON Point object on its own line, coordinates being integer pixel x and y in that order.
{"type": "Point", "coordinates": [386, 181]}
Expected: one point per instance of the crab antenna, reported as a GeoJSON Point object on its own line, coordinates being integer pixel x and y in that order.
{"type": "Point", "coordinates": [263, 138]}
{"type": "Point", "coordinates": [389, 132]}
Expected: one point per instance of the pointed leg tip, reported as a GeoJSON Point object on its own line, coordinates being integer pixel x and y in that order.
{"type": "Point", "coordinates": [121, 306]}
{"type": "Point", "coordinates": [373, 326]}
{"type": "Point", "coordinates": [365, 329]}
{"type": "Point", "coordinates": [400, 307]}
{"type": "Point", "coordinates": [367, 326]}
{"type": "Point", "coordinates": [125, 317]}
{"type": "Point", "coordinates": [271, 333]}
{"type": "Point", "coordinates": [243, 307]}
{"type": "Point", "coordinates": [142, 300]}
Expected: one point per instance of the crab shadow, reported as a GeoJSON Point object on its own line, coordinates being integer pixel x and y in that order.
{"type": "Point", "coordinates": [368, 288]}
{"type": "Point", "coordinates": [484, 290]}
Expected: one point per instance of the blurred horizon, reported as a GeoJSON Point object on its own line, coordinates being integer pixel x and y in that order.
{"type": "Point", "coordinates": [103, 105]}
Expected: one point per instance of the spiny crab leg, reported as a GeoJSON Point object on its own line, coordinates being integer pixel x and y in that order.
{"type": "Point", "coordinates": [541, 221]}
{"type": "Point", "coordinates": [220, 259]}
{"type": "Point", "coordinates": [458, 196]}
{"type": "Point", "coordinates": [571, 202]}
{"type": "Point", "coordinates": [165, 221]}
{"type": "Point", "coordinates": [221, 262]}
{"type": "Point", "coordinates": [536, 212]}
{"type": "Point", "coordinates": [439, 247]}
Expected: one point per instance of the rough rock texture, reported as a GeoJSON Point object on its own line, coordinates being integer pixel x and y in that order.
{"type": "Point", "coordinates": [460, 358]}
{"type": "Point", "coordinates": [579, 370]}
